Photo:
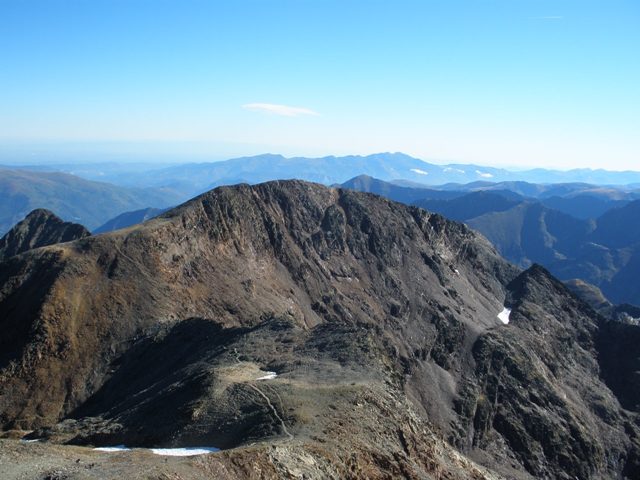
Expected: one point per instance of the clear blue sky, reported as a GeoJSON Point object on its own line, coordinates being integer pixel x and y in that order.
{"type": "Point", "coordinates": [501, 82]}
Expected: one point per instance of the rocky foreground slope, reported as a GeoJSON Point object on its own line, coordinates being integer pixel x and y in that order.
{"type": "Point", "coordinates": [380, 322]}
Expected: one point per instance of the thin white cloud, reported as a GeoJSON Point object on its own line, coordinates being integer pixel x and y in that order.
{"type": "Point", "coordinates": [283, 110]}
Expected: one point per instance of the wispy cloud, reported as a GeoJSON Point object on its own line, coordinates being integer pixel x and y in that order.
{"type": "Point", "coordinates": [283, 110]}
{"type": "Point", "coordinates": [548, 17]}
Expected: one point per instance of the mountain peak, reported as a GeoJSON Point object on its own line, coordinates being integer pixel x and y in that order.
{"type": "Point", "coordinates": [39, 228]}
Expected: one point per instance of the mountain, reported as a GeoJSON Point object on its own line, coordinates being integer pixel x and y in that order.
{"type": "Point", "coordinates": [193, 178]}
{"type": "Point", "coordinates": [619, 227]}
{"type": "Point", "coordinates": [465, 207]}
{"type": "Point", "coordinates": [584, 206]}
{"type": "Point", "coordinates": [40, 228]}
{"type": "Point", "coordinates": [129, 218]}
{"type": "Point", "coordinates": [603, 252]}
{"type": "Point", "coordinates": [531, 233]}
{"type": "Point", "coordinates": [261, 168]}
{"type": "Point", "coordinates": [580, 200]}
{"type": "Point", "coordinates": [72, 198]}
{"type": "Point", "coordinates": [399, 193]}
{"type": "Point", "coordinates": [311, 332]}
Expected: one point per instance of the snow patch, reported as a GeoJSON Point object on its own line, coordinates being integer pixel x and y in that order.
{"type": "Point", "coordinates": [504, 315]}
{"type": "Point", "coordinates": [484, 174]}
{"type": "Point", "coordinates": [268, 376]}
{"type": "Point", "coordinates": [169, 452]}
{"type": "Point", "coordinates": [184, 452]}
{"type": "Point", "coordinates": [456, 170]}
{"type": "Point", "coordinates": [116, 448]}
{"type": "Point", "coordinates": [30, 440]}
{"type": "Point", "coordinates": [419, 172]}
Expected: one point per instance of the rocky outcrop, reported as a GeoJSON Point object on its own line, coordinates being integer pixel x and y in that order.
{"type": "Point", "coordinates": [379, 323]}
{"type": "Point", "coordinates": [38, 229]}
{"type": "Point", "coordinates": [536, 393]}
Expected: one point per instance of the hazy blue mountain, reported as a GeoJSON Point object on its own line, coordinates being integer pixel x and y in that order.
{"type": "Point", "coordinates": [399, 193]}
{"type": "Point", "coordinates": [471, 205]}
{"type": "Point", "coordinates": [548, 190]}
{"type": "Point", "coordinates": [619, 227]}
{"type": "Point", "coordinates": [71, 198]}
{"type": "Point", "coordinates": [532, 233]}
{"type": "Point", "coordinates": [128, 219]}
{"type": "Point", "coordinates": [584, 206]}
{"type": "Point", "coordinates": [580, 200]}
{"type": "Point", "coordinates": [193, 178]}
{"type": "Point", "coordinates": [326, 170]}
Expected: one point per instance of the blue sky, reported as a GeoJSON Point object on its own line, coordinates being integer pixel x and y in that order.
{"type": "Point", "coordinates": [500, 82]}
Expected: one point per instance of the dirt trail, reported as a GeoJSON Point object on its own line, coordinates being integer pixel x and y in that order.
{"type": "Point", "coordinates": [273, 409]}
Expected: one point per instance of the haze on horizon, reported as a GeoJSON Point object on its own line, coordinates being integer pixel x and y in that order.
{"type": "Point", "coordinates": [550, 83]}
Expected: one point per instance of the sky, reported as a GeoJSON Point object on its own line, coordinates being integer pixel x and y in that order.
{"type": "Point", "coordinates": [552, 83]}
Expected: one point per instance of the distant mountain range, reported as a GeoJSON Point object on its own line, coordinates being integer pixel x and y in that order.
{"type": "Point", "coordinates": [602, 249]}
{"type": "Point", "coordinates": [194, 178]}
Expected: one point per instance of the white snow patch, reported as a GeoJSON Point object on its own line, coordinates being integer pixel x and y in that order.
{"type": "Point", "coordinates": [184, 452]}
{"type": "Point", "coordinates": [484, 174]}
{"type": "Point", "coordinates": [116, 448]}
{"type": "Point", "coordinates": [30, 440]}
{"type": "Point", "coordinates": [504, 315]}
{"type": "Point", "coordinates": [268, 376]}
{"type": "Point", "coordinates": [419, 172]}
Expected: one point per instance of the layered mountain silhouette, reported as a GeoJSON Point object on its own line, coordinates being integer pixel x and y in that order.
{"type": "Point", "coordinates": [319, 332]}
{"type": "Point", "coordinates": [601, 251]}
{"type": "Point", "coordinates": [604, 252]}
{"type": "Point", "coordinates": [194, 178]}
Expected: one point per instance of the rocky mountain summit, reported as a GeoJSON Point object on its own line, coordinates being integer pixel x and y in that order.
{"type": "Point", "coordinates": [312, 332]}
{"type": "Point", "coordinates": [40, 228]}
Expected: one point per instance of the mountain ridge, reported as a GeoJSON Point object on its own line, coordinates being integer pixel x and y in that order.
{"type": "Point", "coordinates": [379, 321]}
{"type": "Point", "coordinates": [38, 229]}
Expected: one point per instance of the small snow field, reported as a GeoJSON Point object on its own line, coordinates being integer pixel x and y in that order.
{"type": "Point", "coordinates": [169, 452]}
{"type": "Point", "coordinates": [504, 315]}
{"type": "Point", "coordinates": [184, 452]}
{"type": "Point", "coordinates": [116, 448]}
{"type": "Point", "coordinates": [419, 172]}
{"type": "Point", "coordinates": [268, 376]}
{"type": "Point", "coordinates": [484, 174]}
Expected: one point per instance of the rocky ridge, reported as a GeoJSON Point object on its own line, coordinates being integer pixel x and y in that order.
{"type": "Point", "coordinates": [38, 229]}
{"type": "Point", "coordinates": [379, 321]}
